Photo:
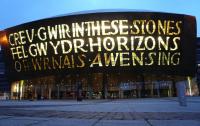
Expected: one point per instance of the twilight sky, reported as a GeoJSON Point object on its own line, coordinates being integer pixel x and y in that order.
{"type": "Point", "coordinates": [15, 12]}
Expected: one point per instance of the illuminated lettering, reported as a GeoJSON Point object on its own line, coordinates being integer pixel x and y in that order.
{"type": "Point", "coordinates": [79, 46]}
{"type": "Point", "coordinates": [92, 44]}
{"type": "Point", "coordinates": [82, 63]}
{"type": "Point", "coordinates": [123, 59]}
{"type": "Point", "coordinates": [42, 48]}
{"type": "Point", "coordinates": [114, 43]}
{"type": "Point", "coordinates": [42, 35]}
{"type": "Point", "coordinates": [30, 36]}
{"type": "Point", "coordinates": [66, 62]}
{"type": "Point", "coordinates": [147, 41]}
{"type": "Point", "coordinates": [163, 43]}
{"type": "Point", "coordinates": [97, 61]}
{"type": "Point", "coordinates": [170, 27]}
{"type": "Point", "coordinates": [37, 65]}
{"type": "Point", "coordinates": [175, 59]}
{"type": "Point", "coordinates": [65, 31]}
{"type": "Point", "coordinates": [22, 37]}
{"type": "Point", "coordinates": [114, 27]}
{"type": "Point", "coordinates": [175, 39]}
{"type": "Point", "coordinates": [96, 29]}
{"type": "Point", "coordinates": [140, 42]}
{"type": "Point", "coordinates": [19, 52]}
{"type": "Point", "coordinates": [142, 26]}
{"type": "Point", "coordinates": [139, 59]}
{"type": "Point", "coordinates": [111, 59]}
{"type": "Point", "coordinates": [11, 39]}
{"type": "Point", "coordinates": [18, 66]}
{"type": "Point", "coordinates": [16, 39]}
{"type": "Point", "coordinates": [53, 32]}
{"type": "Point", "coordinates": [162, 26]}
{"type": "Point", "coordinates": [178, 27]}
{"type": "Point", "coordinates": [148, 27]}
{"type": "Point", "coordinates": [66, 44]}
{"type": "Point", "coordinates": [55, 47]}
{"type": "Point", "coordinates": [46, 64]}
{"type": "Point", "coordinates": [78, 30]}
{"type": "Point", "coordinates": [165, 58]}
{"type": "Point", "coordinates": [135, 27]}
{"type": "Point", "coordinates": [123, 27]}
{"type": "Point", "coordinates": [25, 65]}
{"type": "Point", "coordinates": [88, 28]}
{"type": "Point", "coordinates": [105, 27]}
{"type": "Point", "coordinates": [57, 62]}
{"type": "Point", "coordinates": [33, 50]}
{"type": "Point", "coordinates": [108, 43]}
{"type": "Point", "coordinates": [151, 59]}
{"type": "Point", "coordinates": [122, 41]}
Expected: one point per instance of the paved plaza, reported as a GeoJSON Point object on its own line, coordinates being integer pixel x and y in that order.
{"type": "Point", "coordinates": [123, 112]}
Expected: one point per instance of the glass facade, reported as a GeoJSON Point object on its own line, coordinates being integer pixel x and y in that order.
{"type": "Point", "coordinates": [100, 86]}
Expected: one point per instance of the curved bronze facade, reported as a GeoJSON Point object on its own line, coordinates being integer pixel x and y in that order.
{"type": "Point", "coordinates": [109, 42]}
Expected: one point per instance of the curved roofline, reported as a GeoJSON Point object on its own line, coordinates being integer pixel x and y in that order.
{"type": "Point", "coordinates": [111, 10]}
{"type": "Point", "coordinates": [100, 11]}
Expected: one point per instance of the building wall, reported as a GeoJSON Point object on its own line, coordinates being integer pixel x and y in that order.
{"type": "Point", "coordinates": [4, 85]}
{"type": "Point", "coordinates": [198, 64]}
{"type": "Point", "coordinates": [53, 87]}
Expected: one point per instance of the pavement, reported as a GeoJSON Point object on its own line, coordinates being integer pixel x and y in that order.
{"type": "Point", "coordinates": [120, 112]}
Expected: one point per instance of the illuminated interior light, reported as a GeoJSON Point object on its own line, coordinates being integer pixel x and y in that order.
{"type": "Point", "coordinates": [189, 84]}
{"type": "Point", "coordinates": [3, 38]}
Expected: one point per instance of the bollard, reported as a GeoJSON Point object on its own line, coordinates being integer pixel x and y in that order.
{"type": "Point", "coordinates": [181, 89]}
